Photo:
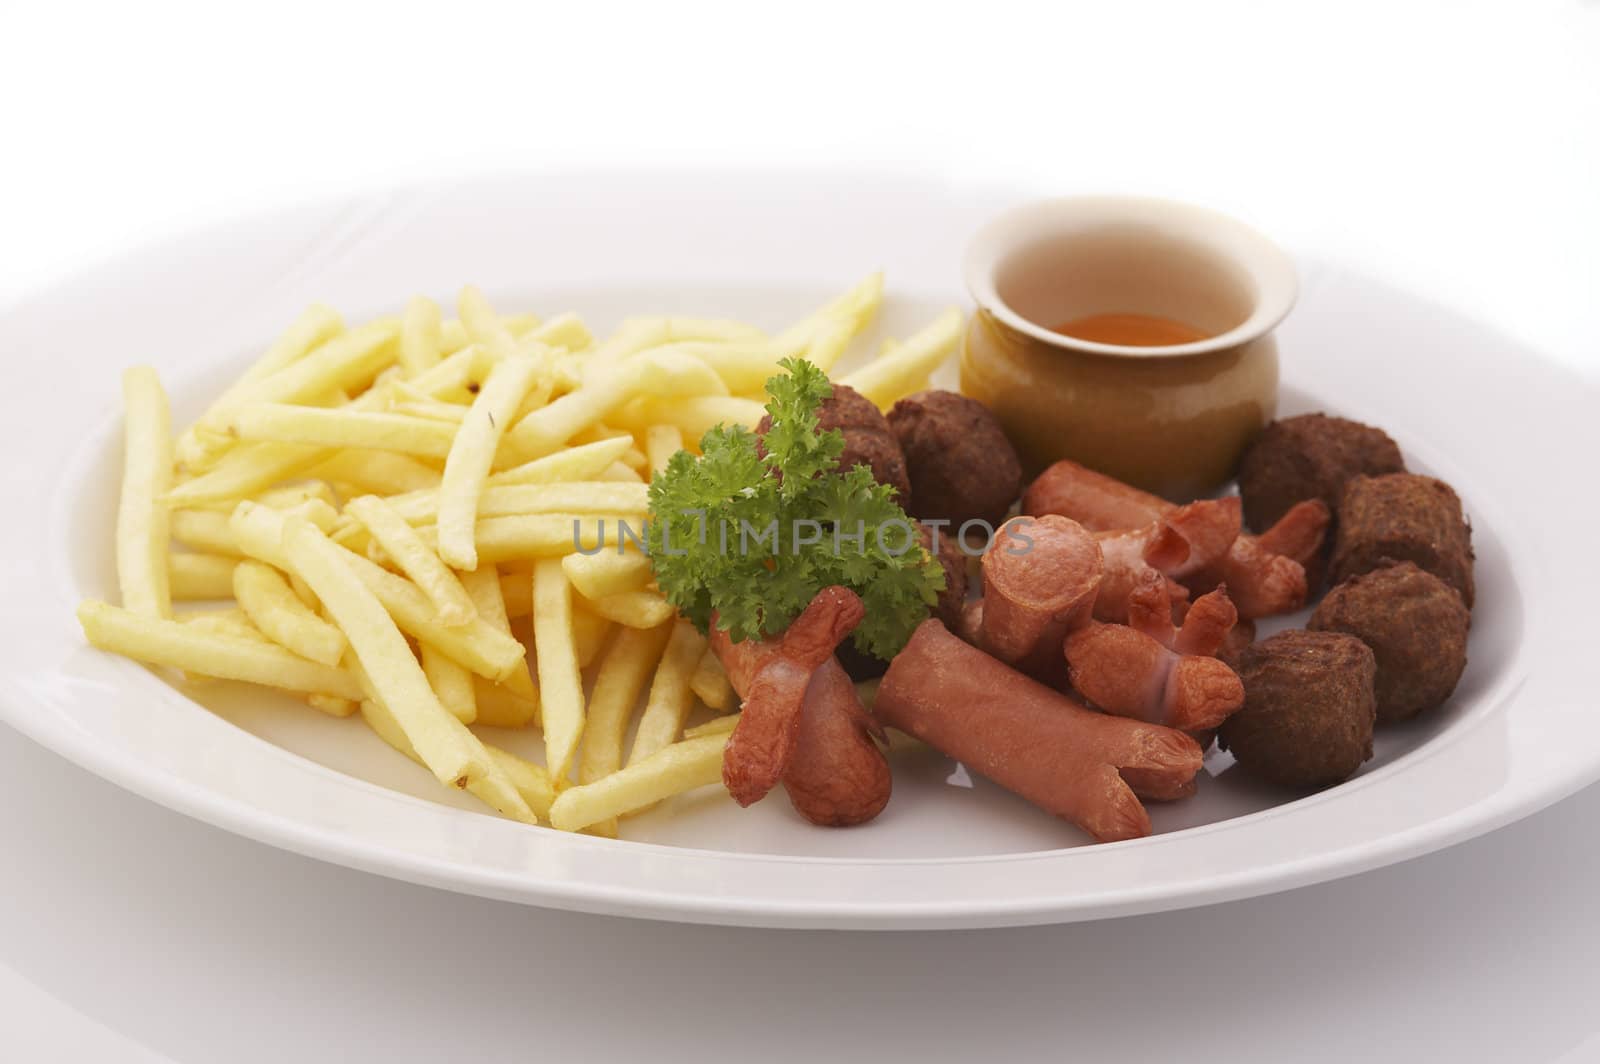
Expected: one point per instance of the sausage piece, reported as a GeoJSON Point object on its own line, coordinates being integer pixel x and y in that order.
{"type": "Point", "coordinates": [1040, 579]}
{"type": "Point", "coordinates": [1086, 767]}
{"type": "Point", "coordinates": [772, 676]}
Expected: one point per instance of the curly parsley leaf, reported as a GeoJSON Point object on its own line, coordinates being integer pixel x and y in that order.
{"type": "Point", "coordinates": [752, 537]}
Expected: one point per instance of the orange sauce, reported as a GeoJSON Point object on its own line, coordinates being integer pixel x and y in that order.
{"type": "Point", "coordinates": [1130, 330]}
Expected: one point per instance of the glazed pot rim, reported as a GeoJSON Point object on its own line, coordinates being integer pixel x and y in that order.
{"type": "Point", "coordinates": [1269, 267]}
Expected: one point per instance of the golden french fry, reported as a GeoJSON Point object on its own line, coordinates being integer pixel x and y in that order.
{"type": "Point", "coordinates": [472, 455]}
{"type": "Point", "coordinates": [670, 696]}
{"type": "Point", "coordinates": [560, 681]}
{"type": "Point", "coordinates": [485, 327]}
{"type": "Point", "coordinates": [142, 515]}
{"type": "Point", "coordinates": [203, 530]}
{"type": "Point", "coordinates": [714, 726]}
{"type": "Point", "coordinates": [710, 682]}
{"type": "Point", "coordinates": [681, 328]}
{"type": "Point", "coordinates": [632, 657]}
{"type": "Point", "coordinates": [619, 473]}
{"type": "Point", "coordinates": [564, 330]}
{"type": "Point", "coordinates": [451, 682]}
{"type": "Point", "coordinates": [379, 472]}
{"type": "Point", "coordinates": [479, 646]}
{"type": "Point", "coordinates": [856, 307]}
{"type": "Point", "coordinates": [530, 780]}
{"type": "Point", "coordinates": [484, 585]}
{"type": "Point", "coordinates": [691, 416]}
{"type": "Point", "coordinates": [589, 632]}
{"type": "Point", "coordinates": [200, 447]}
{"type": "Point", "coordinates": [367, 429]}
{"type": "Point", "coordinates": [271, 605]}
{"type": "Point", "coordinates": [675, 769]}
{"type": "Point", "coordinates": [158, 641]}
{"type": "Point", "coordinates": [610, 572]}
{"type": "Point", "coordinates": [347, 362]}
{"type": "Point", "coordinates": [290, 496]}
{"type": "Point", "coordinates": [632, 609]}
{"type": "Point", "coordinates": [661, 442]}
{"type": "Point", "coordinates": [251, 467]}
{"type": "Point", "coordinates": [453, 413]}
{"type": "Point", "coordinates": [398, 685]}
{"type": "Point", "coordinates": [419, 336]}
{"type": "Point", "coordinates": [332, 706]}
{"type": "Point", "coordinates": [516, 590]}
{"type": "Point", "coordinates": [208, 531]}
{"type": "Point", "coordinates": [199, 577]}
{"type": "Point", "coordinates": [574, 463]}
{"type": "Point", "coordinates": [506, 539]}
{"type": "Point", "coordinates": [662, 374]}
{"type": "Point", "coordinates": [246, 470]}
{"type": "Point", "coordinates": [499, 707]}
{"type": "Point", "coordinates": [414, 558]}
{"type": "Point", "coordinates": [493, 786]}
{"type": "Point", "coordinates": [520, 500]}
{"type": "Point", "coordinates": [224, 622]}
{"type": "Point", "coordinates": [828, 344]}
{"type": "Point", "coordinates": [898, 373]}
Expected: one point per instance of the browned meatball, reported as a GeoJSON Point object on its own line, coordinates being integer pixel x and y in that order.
{"type": "Point", "coordinates": [1403, 517]}
{"type": "Point", "coordinates": [1310, 457]}
{"type": "Point", "coordinates": [1308, 709]}
{"type": "Point", "coordinates": [1416, 625]}
{"type": "Point", "coordinates": [868, 440]}
{"type": "Point", "coordinates": [962, 466]}
{"type": "Point", "coordinates": [954, 596]}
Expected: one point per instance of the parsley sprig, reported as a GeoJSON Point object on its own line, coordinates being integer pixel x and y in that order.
{"type": "Point", "coordinates": [709, 517]}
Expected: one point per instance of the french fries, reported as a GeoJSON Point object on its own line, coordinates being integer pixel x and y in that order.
{"type": "Point", "coordinates": [397, 433]}
{"type": "Point", "coordinates": [714, 726]}
{"type": "Point", "coordinates": [560, 682]}
{"type": "Point", "coordinates": [157, 641]}
{"type": "Point", "coordinates": [633, 609]}
{"type": "Point", "coordinates": [451, 682]}
{"type": "Point", "coordinates": [633, 655]}
{"type": "Point", "coordinates": [661, 442]}
{"type": "Point", "coordinates": [420, 342]}
{"type": "Point", "coordinates": [200, 577]}
{"type": "Point", "coordinates": [674, 769]}
{"type": "Point", "coordinates": [611, 572]}
{"type": "Point", "coordinates": [710, 682]}
{"type": "Point", "coordinates": [270, 604]}
{"type": "Point", "coordinates": [402, 544]}
{"type": "Point", "coordinates": [472, 453]}
{"type": "Point", "coordinates": [901, 371]}
{"type": "Point", "coordinates": [589, 634]}
{"type": "Point", "coordinates": [381, 501]}
{"type": "Point", "coordinates": [398, 685]}
{"type": "Point", "coordinates": [670, 695]}
{"type": "Point", "coordinates": [142, 518]}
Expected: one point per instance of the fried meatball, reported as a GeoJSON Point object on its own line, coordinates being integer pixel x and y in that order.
{"type": "Point", "coordinates": [1416, 625]}
{"type": "Point", "coordinates": [868, 440]}
{"type": "Point", "coordinates": [1403, 517]}
{"type": "Point", "coordinates": [961, 464]}
{"type": "Point", "coordinates": [954, 596]}
{"type": "Point", "coordinates": [1308, 709]}
{"type": "Point", "coordinates": [1310, 457]}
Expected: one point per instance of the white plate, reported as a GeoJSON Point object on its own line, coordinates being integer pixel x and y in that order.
{"type": "Point", "coordinates": [950, 851]}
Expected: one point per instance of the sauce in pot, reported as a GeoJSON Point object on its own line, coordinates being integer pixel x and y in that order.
{"type": "Point", "coordinates": [1130, 330]}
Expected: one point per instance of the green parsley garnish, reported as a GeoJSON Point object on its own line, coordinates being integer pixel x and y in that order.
{"type": "Point", "coordinates": [753, 537]}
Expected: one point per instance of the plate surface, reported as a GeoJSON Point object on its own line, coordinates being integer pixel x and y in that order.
{"type": "Point", "coordinates": [950, 851]}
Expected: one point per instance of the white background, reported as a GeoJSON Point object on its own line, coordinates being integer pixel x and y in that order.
{"type": "Point", "coordinates": [1450, 148]}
